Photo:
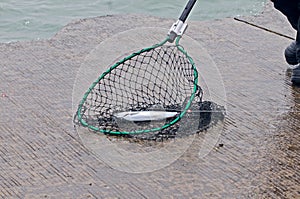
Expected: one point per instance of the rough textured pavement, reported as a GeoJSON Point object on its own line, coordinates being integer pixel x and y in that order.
{"type": "Point", "coordinates": [256, 156]}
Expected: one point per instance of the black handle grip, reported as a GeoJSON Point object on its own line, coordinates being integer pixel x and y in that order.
{"type": "Point", "coordinates": [187, 10]}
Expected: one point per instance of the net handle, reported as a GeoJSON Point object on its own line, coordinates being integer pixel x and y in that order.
{"type": "Point", "coordinates": [179, 27]}
{"type": "Point", "coordinates": [187, 10]}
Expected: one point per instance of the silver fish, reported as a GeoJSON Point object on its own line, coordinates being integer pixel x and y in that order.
{"type": "Point", "coordinates": [139, 116]}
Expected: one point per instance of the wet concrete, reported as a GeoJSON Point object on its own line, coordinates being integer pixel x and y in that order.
{"type": "Point", "coordinates": [256, 154]}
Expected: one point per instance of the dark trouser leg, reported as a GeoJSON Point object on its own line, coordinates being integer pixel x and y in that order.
{"type": "Point", "coordinates": [290, 9]}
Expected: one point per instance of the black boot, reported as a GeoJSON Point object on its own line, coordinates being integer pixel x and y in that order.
{"type": "Point", "coordinates": [296, 71]}
{"type": "Point", "coordinates": [296, 75]}
{"type": "Point", "coordinates": [290, 54]}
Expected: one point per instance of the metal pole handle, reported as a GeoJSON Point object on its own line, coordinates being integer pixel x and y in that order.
{"type": "Point", "coordinates": [180, 26]}
{"type": "Point", "coordinates": [187, 10]}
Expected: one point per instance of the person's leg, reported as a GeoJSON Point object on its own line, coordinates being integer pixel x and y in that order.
{"type": "Point", "coordinates": [296, 72]}
{"type": "Point", "coordinates": [290, 9]}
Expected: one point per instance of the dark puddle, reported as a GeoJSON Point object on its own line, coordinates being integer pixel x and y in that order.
{"type": "Point", "coordinates": [200, 117]}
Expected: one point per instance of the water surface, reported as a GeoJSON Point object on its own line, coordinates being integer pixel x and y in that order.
{"type": "Point", "coordinates": [38, 19]}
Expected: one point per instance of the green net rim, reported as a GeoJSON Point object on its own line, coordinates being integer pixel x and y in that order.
{"type": "Point", "coordinates": [195, 89]}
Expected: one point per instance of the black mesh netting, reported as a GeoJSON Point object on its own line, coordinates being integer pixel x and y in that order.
{"type": "Point", "coordinates": [161, 78]}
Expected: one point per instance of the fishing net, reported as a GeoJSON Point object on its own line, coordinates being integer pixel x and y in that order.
{"type": "Point", "coordinates": [159, 79]}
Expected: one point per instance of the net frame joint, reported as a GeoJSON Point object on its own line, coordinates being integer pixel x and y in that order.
{"type": "Point", "coordinates": [177, 29]}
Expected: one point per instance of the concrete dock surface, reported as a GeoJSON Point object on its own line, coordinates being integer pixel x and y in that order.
{"type": "Point", "coordinates": [257, 154]}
